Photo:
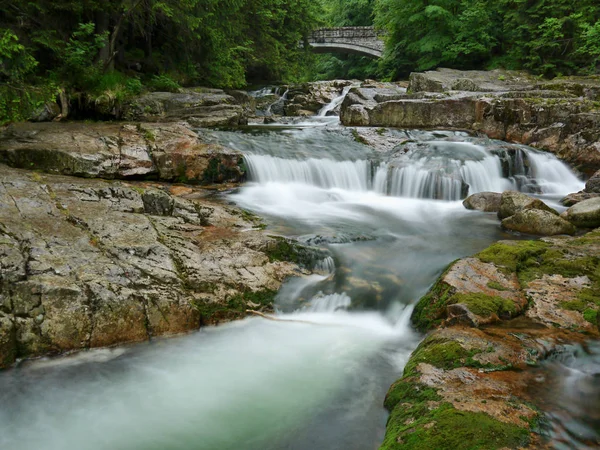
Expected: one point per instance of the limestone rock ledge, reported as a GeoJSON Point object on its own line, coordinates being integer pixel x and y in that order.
{"type": "Point", "coordinates": [89, 263]}
{"type": "Point", "coordinates": [560, 116]}
{"type": "Point", "coordinates": [163, 151]}
{"type": "Point", "coordinates": [491, 318]}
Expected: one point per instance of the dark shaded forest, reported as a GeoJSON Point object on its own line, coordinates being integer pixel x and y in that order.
{"type": "Point", "coordinates": [121, 48]}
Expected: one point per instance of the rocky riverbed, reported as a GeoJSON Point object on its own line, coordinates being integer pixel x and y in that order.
{"type": "Point", "coordinates": [111, 233]}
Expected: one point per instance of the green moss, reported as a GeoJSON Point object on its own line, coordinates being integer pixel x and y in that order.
{"type": "Point", "coordinates": [556, 262]}
{"type": "Point", "coordinates": [235, 307]}
{"type": "Point", "coordinates": [510, 255]}
{"type": "Point", "coordinates": [591, 315]}
{"type": "Point", "coordinates": [358, 138]}
{"type": "Point", "coordinates": [431, 308]}
{"type": "Point", "coordinates": [575, 305]}
{"type": "Point", "coordinates": [484, 305]}
{"type": "Point", "coordinates": [407, 391]}
{"type": "Point", "coordinates": [441, 353]}
{"type": "Point", "coordinates": [496, 286]}
{"type": "Point", "coordinates": [446, 428]}
{"type": "Point", "coordinates": [282, 249]}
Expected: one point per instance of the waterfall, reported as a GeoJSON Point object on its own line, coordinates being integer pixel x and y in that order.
{"type": "Point", "coordinates": [324, 173]}
{"type": "Point", "coordinates": [280, 102]}
{"type": "Point", "coordinates": [335, 102]}
{"type": "Point", "coordinates": [440, 170]}
{"type": "Point", "coordinates": [327, 265]}
{"type": "Point", "coordinates": [328, 303]}
{"type": "Point", "coordinates": [551, 175]}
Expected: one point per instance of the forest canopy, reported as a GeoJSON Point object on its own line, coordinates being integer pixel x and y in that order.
{"type": "Point", "coordinates": [91, 48]}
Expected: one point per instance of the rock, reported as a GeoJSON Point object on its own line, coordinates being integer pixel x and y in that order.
{"type": "Point", "coordinates": [307, 99]}
{"type": "Point", "coordinates": [442, 80]}
{"type": "Point", "coordinates": [593, 184]}
{"type": "Point", "coordinates": [538, 222]}
{"type": "Point", "coordinates": [483, 292]}
{"type": "Point", "coordinates": [573, 199]}
{"type": "Point", "coordinates": [200, 107]}
{"type": "Point", "coordinates": [479, 380]}
{"type": "Point", "coordinates": [585, 214]}
{"type": "Point", "coordinates": [87, 263]}
{"type": "Point", "coordinates": [484, 201]}
{"type": "Point", "coordinates": [557, 116]}
{"type": "Point", "coordinates": [168, 151]}
{"type": "Point", "coordinates": [157, 202]}
{"type": "Point", "coordinates": [46, 113]}
{"type": "Point", "coordinates": [512, 202]}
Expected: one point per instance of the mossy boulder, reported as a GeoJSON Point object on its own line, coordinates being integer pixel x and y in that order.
{"type": "Point", "coordinates": [485, 293]}
{"type": "Point", "coordinates": [512, 202]}
{"type": "Point", "coordinates": [585, 214]}
{"type": "Point", "coordinates": [538, 222]}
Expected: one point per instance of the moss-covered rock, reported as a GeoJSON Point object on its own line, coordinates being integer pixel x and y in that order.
{"type": "Point", "coordinates": [585, 214]}
{"type": "Point", "coordinates": [538, 222]}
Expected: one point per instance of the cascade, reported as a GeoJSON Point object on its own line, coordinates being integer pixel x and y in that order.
{"type": "Point", "coordinates": [335, 102]}
{"type": "Point", "coordinates": [441, 170]}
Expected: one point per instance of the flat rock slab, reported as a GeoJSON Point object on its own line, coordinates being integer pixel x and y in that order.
{"type": "Point", "coordinates": [165, 151]}
{"type": "Point", "coordinates": [88, 263]}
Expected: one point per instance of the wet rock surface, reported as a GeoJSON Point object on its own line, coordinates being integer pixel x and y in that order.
{"type": "Point", "coordinates": [538, 222]}
{"type": "Point", "coordinates": [89, 263]}
{"type": "Point", "coordinates": [484, 201]}
{"type": "Point", "coordinates": [475, 381]}
{"type": "Point", "coordinates": [165, 151]}
{"type": "Point", "coordinates": [559, 115]}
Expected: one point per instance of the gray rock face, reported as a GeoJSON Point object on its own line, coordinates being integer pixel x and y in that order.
{"type": "Point", "coordinates": [170, 152]}
{"type": "Point", "coordinates": [538, 222]}
{"type": "Point", "coordinates": [199, 107]}
{"type": "Point", "coordinates": [585, 214]}
{"type": "Point", "coordinates": [556, 116]}
{"type": "Point", "coordinates": [512, 202]}
{"type": "Point", "coordinates": [88, 263]}
{"type": "Point", "coordinates": [593, 184]}
{"type": "Point", "coordinates": [484, 201]}
{"type": "Point", "coordinates": [573, 199]}
{"type": "Point", "coordinates": [474, 81]}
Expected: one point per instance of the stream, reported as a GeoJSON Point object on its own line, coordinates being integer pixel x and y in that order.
{"type": "Point", "coordinates": [317, 378]}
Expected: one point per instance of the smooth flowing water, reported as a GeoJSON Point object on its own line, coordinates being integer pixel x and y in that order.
{"type": "Point", "coordinates": [316, 379]}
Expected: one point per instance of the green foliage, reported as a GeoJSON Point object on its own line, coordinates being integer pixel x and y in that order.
{"type": "Point", "coordinates": [164, 83]}
{"type": "Point", "coordinates": [102, 51]}
{"type": "Point", "coordinates": [18, 98]}
{"type": "Point", "coordinates": [547, 38]}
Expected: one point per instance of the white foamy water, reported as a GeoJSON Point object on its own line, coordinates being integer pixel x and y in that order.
{"type": "Point", "coordinates": [248, 382]}
{"type": "Point", "coordinates": [337, 101]}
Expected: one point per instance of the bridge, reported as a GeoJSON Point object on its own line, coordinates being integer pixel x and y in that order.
{"type": "Point", "coordinates": [365, 41]}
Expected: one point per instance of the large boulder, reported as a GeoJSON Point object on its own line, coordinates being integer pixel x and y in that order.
{"type": "Point", "coordinates": [538, 222]}
{"type": "Point", "coordinates": [168, 151]}
{"type": "Point", "coordinates": [585, 214]}
{"type": "Point", "coordinates": [512, 202]}
{"type": "Point", "coordinates": [199, 107]}
{"type": "Point", "coordinates": [577, 197]}
{"type": "Point", "coordinates": [484, 201]}
{"type": "Point", "coordinates": [593, 184]}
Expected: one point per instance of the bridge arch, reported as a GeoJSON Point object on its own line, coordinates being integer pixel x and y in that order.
{"type": "Point", "coordinates": [364, 41]}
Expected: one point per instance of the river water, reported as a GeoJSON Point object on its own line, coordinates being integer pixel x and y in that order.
{"type": "Point", "coordinates": [317, 378]}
